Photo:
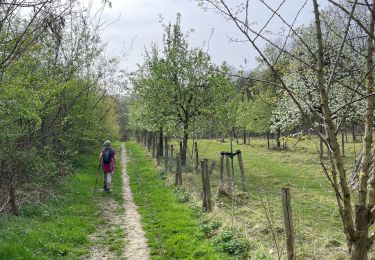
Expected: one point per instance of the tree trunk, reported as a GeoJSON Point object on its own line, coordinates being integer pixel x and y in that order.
{"type": "Point", "coordinates": [154, 146]}
{"type": "Point", "coordinates": [166, 145]}
{"type": "Point", "coordinates": [145, 134]}
{"type": "Point", "coordinates": [43, 130]}
{"type": "Point", "coordinates": [362, 213]}
{"type": "Point", "coordinates": [184, 148]}
{"type": "Point", "coordinates": [321, 147]}
{"type": "Point", "coordinates": [330, 129]}
{"type": "Point", "coordinates": [171, 162]}
{"type": "Point", "coordinates": [228, 177]}
{"type": "Point", "coordinates": [196, 155]}
{"type": "Point", "coordinates": [161, 143]}
{"type": "Point", "coordinates": [278, 135]}
{"type": "Point", "coordinates": [268, 140]}
{"type": "Point", "coordinates": [13, 199]}
{"type": "Point", "coordinates": [244, 136]}
{"type": "Point", "coordinates": [359, 246]}
{"type": "Point", "coordinates": [353, 133]}
{"type": "Point", "coordinates": [346, 135]}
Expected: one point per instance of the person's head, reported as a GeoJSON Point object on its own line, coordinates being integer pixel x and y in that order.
{"type": "Point", "coordinates": [107, 144]}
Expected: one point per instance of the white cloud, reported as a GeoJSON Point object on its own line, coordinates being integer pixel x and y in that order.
{"type": "Point", "coordinates": [139, 20]}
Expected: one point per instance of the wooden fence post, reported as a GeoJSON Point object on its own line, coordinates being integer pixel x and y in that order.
{"type": "Point", "coordinates": [196, 155]}
{"type": "Point", "coordinates": [288, 224]}
{"type": "Point", "coordinates": [171, 162]}
{"type": "Point", "coordinates": [149, 138]}
{"type": "Point", "coordinates": [221, 166]}
{"type": "Point", "coordinates": [179, 171]}
{"type": "Point", "coordinates": [211, 169]}
{"type": "Point", "coordinates": [203, 186]}
{"type": "Point", "coordinates": [158, 159]}
{"type": "Point", "coordinates": [206, 186]}
{"type": "Point", "coordinates": [178, 180]}
{"type": "Point", "coordinates": [242, 171]}
{"type": "Point", "coordinates": [229, 177]}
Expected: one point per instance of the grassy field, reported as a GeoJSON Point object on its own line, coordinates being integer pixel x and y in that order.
{"type": "Point", "coordinates": [59, 226]}
{"type": "Point", "coordinates": [173, 230]}
{"type": "Point", "coordinates": [249, 223]}
{"type": "Point", "coordinates": [257, 213]}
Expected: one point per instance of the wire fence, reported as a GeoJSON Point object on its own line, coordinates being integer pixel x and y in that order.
{"type": "Point", "coordinates": [256, 209]}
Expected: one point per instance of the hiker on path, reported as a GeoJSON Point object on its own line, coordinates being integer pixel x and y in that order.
{"type": "Point", "coordinates": [108, 162]}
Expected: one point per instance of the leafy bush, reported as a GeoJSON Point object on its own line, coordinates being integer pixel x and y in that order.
{"type": "Point", "coordinates": [182, 195]}
{"type": "Point", "coordinates": [162, 173]}
{"type": "Point", "coordinates": [209, 228]}
{"type": "Point", "coordinates": [232, 243]}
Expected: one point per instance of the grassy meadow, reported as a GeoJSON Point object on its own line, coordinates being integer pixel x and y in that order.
{"type": "Point", "coordinates": [257, 213]}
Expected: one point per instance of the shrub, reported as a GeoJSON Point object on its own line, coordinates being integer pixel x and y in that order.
{"type": "Point", "coordinates": [232, 243]}
{"type": "Point", "coordinates": [209, 228]}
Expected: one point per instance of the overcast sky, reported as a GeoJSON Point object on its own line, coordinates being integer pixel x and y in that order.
{"type": "Point", "coordinates": [137, 21]}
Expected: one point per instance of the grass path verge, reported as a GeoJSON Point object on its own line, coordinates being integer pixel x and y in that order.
{"type": "Point", "coordinates": [172, 229]}
{"type": "Point", "coordinates": [59, 227]}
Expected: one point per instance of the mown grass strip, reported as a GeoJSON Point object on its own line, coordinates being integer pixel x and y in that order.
{"type": "Point", "coordinates": [58, 228]}
{"type": "Point", "coordinates": [172, 229]}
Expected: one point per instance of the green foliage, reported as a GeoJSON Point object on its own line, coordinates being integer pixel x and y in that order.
{"type": "Point", "coordinates": [53, 106]}
{"type": "Point", "coordinates": [209, 228]}
{"type": "Point", "coordinates": [178, 88]}
{"type": "Point", "coordinates": [182, 195]}
{"type": "Point", "coordinates": [231, 243]}
{"type": "Point", "coordinates": [263, 256]}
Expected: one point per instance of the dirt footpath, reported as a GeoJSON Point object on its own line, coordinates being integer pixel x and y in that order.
{"type": "Point", "coordinates": [136, 247]}
{"type": "Point", "coordinates": [136, 244]}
